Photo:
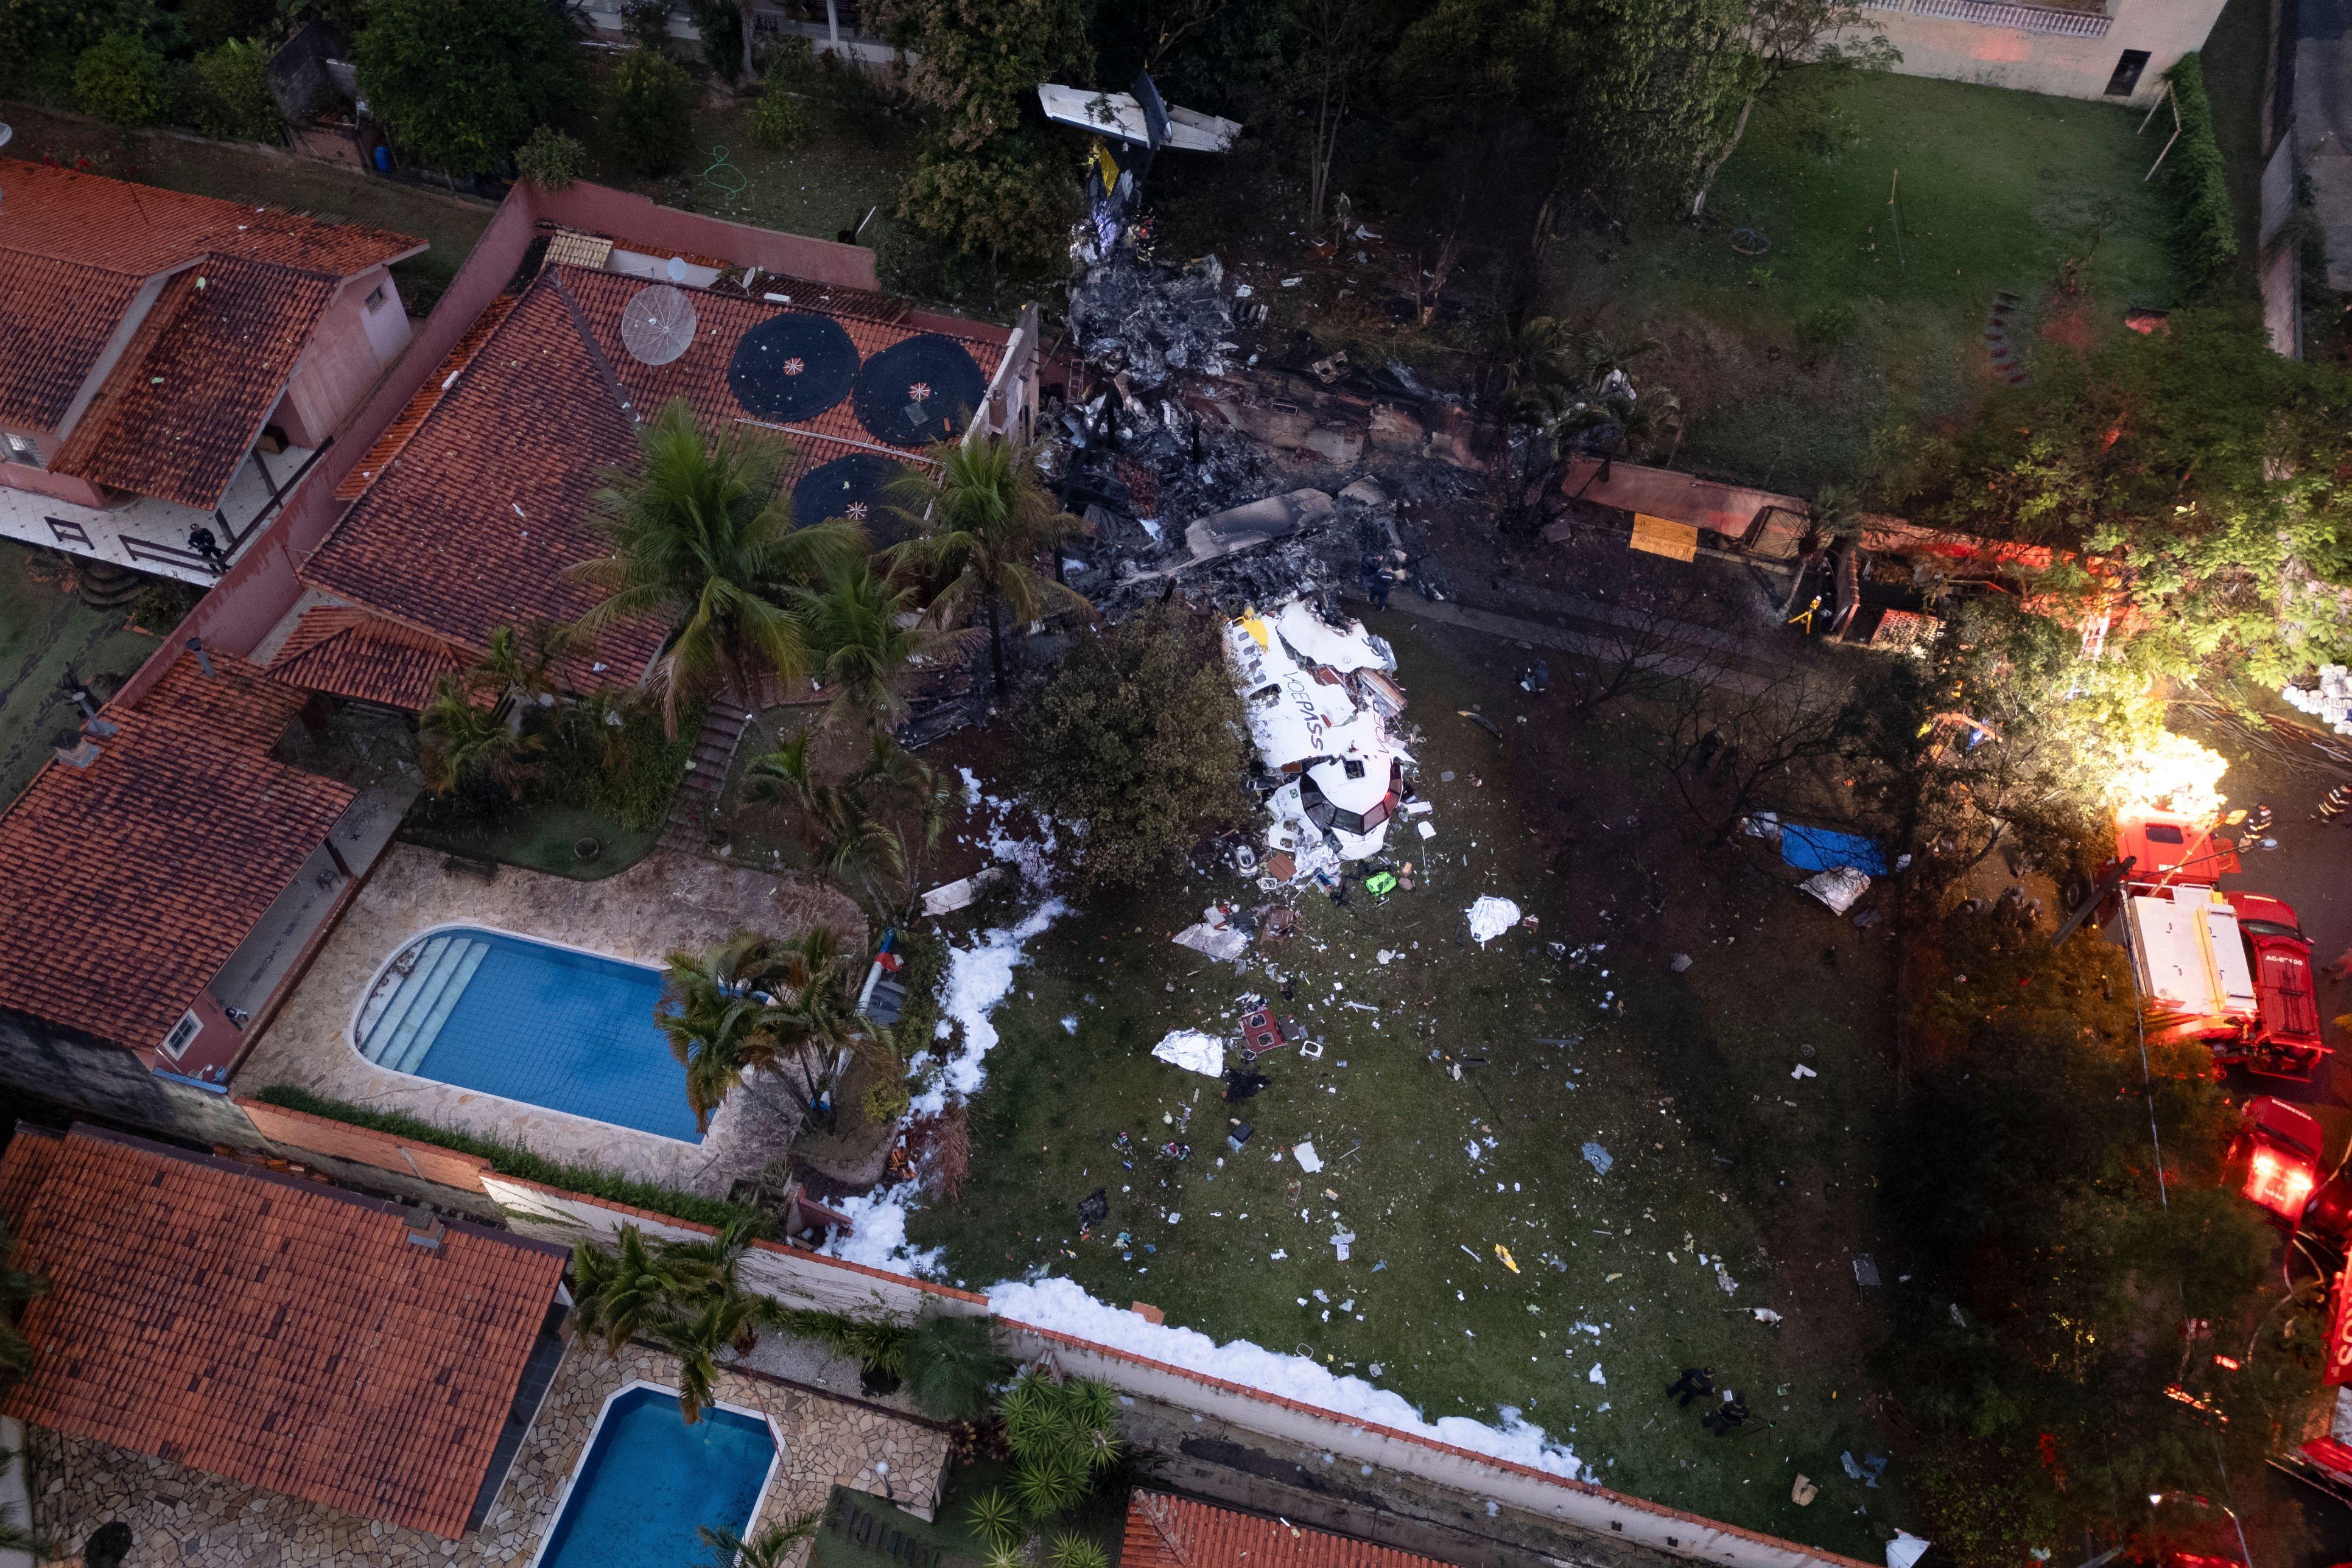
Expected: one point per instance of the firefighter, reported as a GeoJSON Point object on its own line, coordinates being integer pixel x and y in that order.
{"type": "Point", "coordinates": [2338, 801]}
{"type": "Point", "coordinates": [2257, 823]}
{"type": "Point", "coordinates": [1693, 1382]}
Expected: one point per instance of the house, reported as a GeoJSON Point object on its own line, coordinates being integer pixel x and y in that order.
{"type": "Point", "coordinates": [471, 512]}
{"type": "Point", "coordinates": [276, 1332]}
{"type": "Point", "coordinates": [171, 365]}
{"type": "Point", "coordinates": [2111, 50]}
{"type": "Point", "coordinates": [1164, 1531]}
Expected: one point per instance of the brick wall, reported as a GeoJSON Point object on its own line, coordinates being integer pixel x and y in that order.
{"type": "Point", "coordinates": [298, 1130]}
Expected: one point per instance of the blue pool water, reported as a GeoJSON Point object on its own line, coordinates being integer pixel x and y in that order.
{"type": "Point", "coordinates": [547, 1026]}
{"type": "Point", "coordinates": [649, 1480]}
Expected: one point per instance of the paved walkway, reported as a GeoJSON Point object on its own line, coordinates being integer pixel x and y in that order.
{"type": "Point", "coordinates": [181, 1517]}
{"type": "Point", "coordinates": [664, 902]}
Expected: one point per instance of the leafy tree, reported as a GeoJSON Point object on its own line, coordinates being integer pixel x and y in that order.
{"type": "Point", "coordinates": [1064, 1434]}
{"type": "Point", "coordinates": [780, 119]}
{"type": "Point", "coordinates": [763, 1004]}
{"type": "Point", "coordinates": [980, 185]}
{"type": "Point", "coordinates": [1781, 37]}
{"type": "Point", "coordinates": [983, 526]}
{"type": "Point", "coordinates": [212, 23]}
{"type": "Point", "coordinates": [1006, 200]}
{"type": "Point", "coordinates": [1661, 82]}
{"type": "Point", "coordinates": [702, 539]}
{"type": "Point", "coordinates": [866, 635]}
{"type": "Point", "coordinates": [616, 1294]}
{"type": "Point", "coordinates": [855, 830]}
{"type": "Point", "coordinates": [653, 111]}
{"type": "Point", "coordinates": [228, 92]}
{"type": "Point", "coordinates": [460, 84]}
{"type": "Point", "coordinates": [550, 159]}
{"type": "Point", "coordinates": [1139, 736]}
{"type": "Point", "coordinates": [42, 41]}
{"type": "Point", "coordinates": [1333, 44]}
{"type": "Point", "coordinates": [121, 79]}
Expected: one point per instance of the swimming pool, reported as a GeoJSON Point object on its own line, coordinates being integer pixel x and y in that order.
{"type": "Point", "coordinates": [649, 1481]}
{"type": "Point", "coordinates": [528, 1021]}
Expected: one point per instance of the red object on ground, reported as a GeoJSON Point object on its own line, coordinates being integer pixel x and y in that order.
{"type": "Point", "coordinates": [2279, 1146]}
{"type": "Point", "coordinates": [2339, 1370]}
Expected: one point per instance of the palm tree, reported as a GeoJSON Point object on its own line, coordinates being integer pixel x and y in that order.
{"type": "Point", "coordinates": [769, 1549]}
{"type": "Point", "coordinates": [866, 634]}
{"type": "Point", "coordinates": [617, 1294]}
{"type": "Point", "coordinates": [703, 538]}
{"type": "Point", "coordinates": [985, 524]}
{"type": "Point", "coordinates": [951, 1363]}
{"type": "Point", "coordinates": [853, 828]}
{"type": "Point", "coordinates": [467, 744]}
{"type": "Point", "coordinates": [755, 1002]}
{"type": "Point", "coordinates": [731, 1320]}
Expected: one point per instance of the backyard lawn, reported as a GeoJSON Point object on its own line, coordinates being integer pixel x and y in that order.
{"type": "Point", "coordinates": [1859, 310]}
{"type": "Point", "coordinates": [1622, 1172]}
{"type": "Point", "coordinates": [46, 629]}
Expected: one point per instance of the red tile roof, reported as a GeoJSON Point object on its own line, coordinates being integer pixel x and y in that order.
{"type": "Point", "coordinates": [435, 540]}
{"type": "Point", "coordinates": [1164, 1531]}
{"type": "Point", "coordinates": [396, 435]}
{"type": "Point", "coordinates": [272, 1330]}
{"type": "Point", "coordinates": [125, 227]}
{"type": "Point", "coordinates": [478, 522]}
{"type": "Point", "coordinates": [55, 319]}
{"type": "Point", "coordinates": [351, 654]}
{"type": "Point", "coordinates": [131, 882]}
{"type": "Point", "coordinates": [178, 416]}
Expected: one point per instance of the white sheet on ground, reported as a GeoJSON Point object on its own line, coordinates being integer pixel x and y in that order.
{"type": "Point", "coordinates": [1837, 888]}
{"type": "Point", "coordinates": [1194, 1052]}
{"type": "Point", "coordinates": [1490, 917]}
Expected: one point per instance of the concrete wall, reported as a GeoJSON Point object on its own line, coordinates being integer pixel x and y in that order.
{"type": "Point", "coordinates": [2034, 48]}
{"type": "Point", "coordinates": [41, 482]}
{"type": "Point", "coordinates": [364, 1145]}
{"type": "Point", "coordinates": [68, 1076]}
{"type": "Point", "coordinates": [1566, 1518]}
{"type": "Point", "coordinates": [347, 352]}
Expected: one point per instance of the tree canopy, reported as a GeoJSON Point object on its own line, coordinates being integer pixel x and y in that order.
{"type": "Point", "coordinates": [460, 84]}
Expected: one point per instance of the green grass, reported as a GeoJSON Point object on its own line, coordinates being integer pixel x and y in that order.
{"type": "Point", "coordinates": [45, 628]}
{"type": "Point", "coordinates": [540, 839]}
{"type": "Point", "coordinates": [1995, 190]}
{"type": "Point", "coordinates": [242, 173]}
{"type": "Point", "coordinates": [1715, 1149]}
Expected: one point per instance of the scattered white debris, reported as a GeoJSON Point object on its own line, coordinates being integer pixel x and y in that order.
{"type": "Point", "coordinates": [954, 895]}
{"type": "Point", "coordinates": [1341, 1240]}
{"type": "Point", "coordinates": [1723, 1277]}
{"type": "Point", "coordinates": [1905, 1549]}
{"type": "Point", "coordinates": [1838, 888]}
{"type": "Point", "coordinates": [1767, 1315]}
{"type": "Point", "coordinates": [1802, 1071]}
{"type": "Point", "coordinates": [1308, 1160]}
{"type": "Point", "coordinates": [1594, 1376]}
{"type": "Point", "coordinates": [1070, 1024]}
{"type": "Point", "coordinates": [1490, 917]}
{"type": "Point", "coordinates": [1192, 1050]}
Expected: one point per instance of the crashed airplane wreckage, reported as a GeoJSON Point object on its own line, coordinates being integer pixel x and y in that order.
{"type": "Point", "coordinates": [1320, 700]}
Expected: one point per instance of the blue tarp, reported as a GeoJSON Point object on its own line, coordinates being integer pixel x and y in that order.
{"type": "Point", "coordinates": [1824, 849]}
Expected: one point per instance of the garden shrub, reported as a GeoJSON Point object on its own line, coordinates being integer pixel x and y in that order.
{"type": "Point", "coordinates": [653, 103]}
{"type": "Point", "coordinates": [551, 159]}
{"type": "Point", "coordinates": [781, 120]}
{"type": "Point", "coordinates": [227, 92]}
{"type": "Point", "coordinates": [628, 771]}
{"type": "Point", "coordinates": [2204, 231]}
{"type": "Point", "coordinates": [510, 1159]}
{"type": "Point", "coordinates": [121, 79]}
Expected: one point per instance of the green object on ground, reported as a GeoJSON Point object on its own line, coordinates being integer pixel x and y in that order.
{"type": "Point", "coordinates": [1380, 883]}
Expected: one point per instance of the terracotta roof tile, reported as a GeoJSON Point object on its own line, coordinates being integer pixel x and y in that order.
{"type": "Point", "coordinates": [351, 654]}
{"type": "Point", "coordinates": [396, 435]}
{"type": "Point", "coordinates": [132, 880]}
{"type": "Point", "coordinates": [1165, 1531]}
{"type": "Point", "coordinates": [142, 229]}
{"type": "Point", "coordinates": [275, 1331]}
{"type": "Point", "coordinates": [478, 520]}
{"type": "Point", "coordinates": [178, 415]}
{"type": "Point", "coordinates": [55, 319]}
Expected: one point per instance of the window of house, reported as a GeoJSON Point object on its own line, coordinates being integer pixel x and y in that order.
{"type": "Point", "coordinates": [21, 449]}
{"type": "Point", "coordinates": [375, 298]}
{"type": "Point", "coordinates": [2126, 75]}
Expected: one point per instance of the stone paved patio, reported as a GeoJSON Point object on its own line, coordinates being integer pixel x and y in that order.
{"type": "Point", "coordinates": [665, 901]}
{"type": "Point", "coordinates": [181, 1517]}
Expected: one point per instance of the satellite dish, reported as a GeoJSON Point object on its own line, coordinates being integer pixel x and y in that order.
{"type": "Point", "coordinates": [676, 269]}
{"type": "Point", "coordinates": [657, 324]}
